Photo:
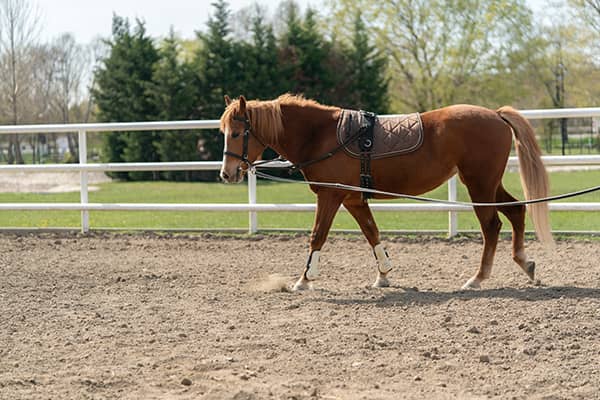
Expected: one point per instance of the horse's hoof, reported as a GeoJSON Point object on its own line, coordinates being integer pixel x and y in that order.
{"type": "Point", "coordinates": [471, 284]}
{"type": "Point", "coordinates": [302, 284]}
{"type": "Point", "coordinates": [381, 282]}
{"type": "Point", "coordinates": [530, 270]}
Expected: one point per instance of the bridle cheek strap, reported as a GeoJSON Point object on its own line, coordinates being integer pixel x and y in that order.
{"type": "Point", "coordinates": [244, 156]}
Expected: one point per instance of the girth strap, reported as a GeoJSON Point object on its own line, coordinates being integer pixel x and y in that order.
{"type": "Point", "coordinates": [365, 142]}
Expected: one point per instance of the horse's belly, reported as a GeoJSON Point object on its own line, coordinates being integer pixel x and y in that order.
{"type": "Point", "coordinates": [410, 178]}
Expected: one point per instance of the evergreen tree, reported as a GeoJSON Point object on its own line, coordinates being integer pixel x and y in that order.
{"type": "Point", "coordinates": [174, 95]}
{"type": "Point", "coordinates": [121, 83]}
{"type": "Point", "coordinates": [262, 66]}
{"type": "Point", "coordinates": [304, 57]}
{"type": "Point", "coordinates": [368, 88]}
{"type": "Point", "coordinates": [215, 63]}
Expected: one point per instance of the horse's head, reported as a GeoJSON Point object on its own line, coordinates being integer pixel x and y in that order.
{"type": "Point", "coordinates": [242, 147]}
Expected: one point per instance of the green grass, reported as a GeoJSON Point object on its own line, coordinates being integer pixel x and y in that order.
{"type": "Point", "coordinates": [169, 192]}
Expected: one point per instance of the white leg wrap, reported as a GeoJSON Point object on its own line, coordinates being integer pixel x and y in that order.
{"type": "Point", "coordinates": [473, 283]}
{"type": "Point", "coordinates": [383, 261]}
{"type": "Point", "coordinates": [312, 268]}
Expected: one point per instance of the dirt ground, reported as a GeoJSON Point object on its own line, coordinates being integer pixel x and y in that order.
{"type": "Point", "coordinates": [208, 317]}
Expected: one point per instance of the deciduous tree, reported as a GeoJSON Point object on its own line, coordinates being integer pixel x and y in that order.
{"type": "Point", "coordinates": [19, 31]}
{"type": "Point", "coordinates": [70, 65]}
{"type": "Point", "coordinates": [440, 50]}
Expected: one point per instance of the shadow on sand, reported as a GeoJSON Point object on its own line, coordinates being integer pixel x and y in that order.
{"type": "Point", "coordinates": [395, 296]}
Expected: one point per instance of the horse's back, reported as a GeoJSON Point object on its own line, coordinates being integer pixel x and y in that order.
{"type": "Point", "coordinates": [467, 128]}
{"type": "Point", "coordinates": [460, 138]}
{"type": "Point", "coordinates": [475, 137]}
{"type": "Point", "coordinates": [464, 119]}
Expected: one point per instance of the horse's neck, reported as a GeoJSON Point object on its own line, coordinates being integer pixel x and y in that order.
{"type": "Point", "coordinates": [307, 131]}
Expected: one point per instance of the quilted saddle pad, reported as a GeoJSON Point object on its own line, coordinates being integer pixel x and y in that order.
{"type": "Point", "coordinates": [391, 136]}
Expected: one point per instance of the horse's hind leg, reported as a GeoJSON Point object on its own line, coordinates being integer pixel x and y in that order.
{"type": "Point", "coordinates": [362, 214]}
{"type": "Point", "coordinates": [328, 203]}
{"type": "Point", "coordinates": [483, 190]}
{"type": "Point", "coordinates": [516, 216]}
{"type": "Point", "coordinates": [490, 228]}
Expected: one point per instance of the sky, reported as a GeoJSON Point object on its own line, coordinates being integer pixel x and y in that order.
{"type": "Point", "coordinates": [89, 19]}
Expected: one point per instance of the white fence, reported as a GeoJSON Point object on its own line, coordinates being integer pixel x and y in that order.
{"type": "Point", "coordinates": [251, 207]}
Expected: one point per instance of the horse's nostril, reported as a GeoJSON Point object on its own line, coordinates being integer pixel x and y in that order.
{"type": "Point", "coordinates": [225, 175]}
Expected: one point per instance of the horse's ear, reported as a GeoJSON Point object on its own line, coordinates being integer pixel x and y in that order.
{"type": "Point", "coordinates": [227, 100]}
{"type": "Point", "coordinates": [242, 104]}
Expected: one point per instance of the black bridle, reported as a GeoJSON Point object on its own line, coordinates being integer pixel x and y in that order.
{"type": "Point", "coordinates": [246, 135]}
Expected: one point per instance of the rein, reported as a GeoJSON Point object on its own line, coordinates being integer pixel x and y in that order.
{"type": "Point", "coordinates": [295, 166]}
{"type": "Point", "coordinates": [424, 199]}
{"type": "Point", "coordinates": [298, 166]}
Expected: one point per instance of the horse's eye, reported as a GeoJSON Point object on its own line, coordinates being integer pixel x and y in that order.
{"type": "Point", "coordinates": [235, 135]}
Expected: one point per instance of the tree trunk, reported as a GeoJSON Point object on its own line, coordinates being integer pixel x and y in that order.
{"type": "Point", "coordinates": [73, 147]}
{"type": "Point", "coordinates": [14, 150]}
{"type": "Point", "coordinates": [17, 149]}
{"type": "Point", "coordinates": [33, 142]}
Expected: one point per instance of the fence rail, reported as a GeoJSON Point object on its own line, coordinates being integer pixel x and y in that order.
{"type": "Point", "coordinates": [251, 207]}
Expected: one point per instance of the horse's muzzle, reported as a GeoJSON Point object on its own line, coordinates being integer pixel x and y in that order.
{"type": "Point", "coordinates": [236, 177]}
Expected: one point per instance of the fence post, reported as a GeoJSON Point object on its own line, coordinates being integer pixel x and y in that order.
{"type": "Point", "coordinates": [252, 217]}
{"type": "Point", "coordinates": [452, 215]}
{"type": "Point", "coordinates": [85, 215]}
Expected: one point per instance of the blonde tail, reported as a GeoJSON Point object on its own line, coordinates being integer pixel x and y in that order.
{"type": "Point", "coordinates": [534, 178]}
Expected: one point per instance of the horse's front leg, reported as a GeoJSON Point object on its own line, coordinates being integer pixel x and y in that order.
{"type": "Point", "coordinates": [362, 214]}
{"type": "Point", "coordinates": [328, 203]}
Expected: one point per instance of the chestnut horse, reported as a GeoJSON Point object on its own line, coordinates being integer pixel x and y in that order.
{"type": "Point", "coordinates": [472, 141]}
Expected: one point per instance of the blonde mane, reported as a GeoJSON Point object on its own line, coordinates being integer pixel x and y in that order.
{"type": "Point", "coordinates": [265, 116]}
